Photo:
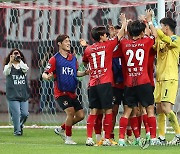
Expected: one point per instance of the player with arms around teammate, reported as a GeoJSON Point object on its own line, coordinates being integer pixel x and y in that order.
{"type": "Point", "coordinates": [135, 53]}
{"type": "Point", "coordinates": [64, 68]}
{"type": "Point", "coordinates": [99, 57]}
{"type": "Point", "coordinates": [168, 49]}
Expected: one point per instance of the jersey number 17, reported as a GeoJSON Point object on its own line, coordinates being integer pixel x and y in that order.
{"type": "Point", "coordinates": [102, 55]}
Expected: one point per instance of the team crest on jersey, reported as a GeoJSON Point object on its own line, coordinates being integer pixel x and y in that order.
{"type": "Point", "coordinates": [173, 38]}
{"type": "Point", "coordinates": [48, 66]}
{"type": "Point", "coordinates": [65, 103]}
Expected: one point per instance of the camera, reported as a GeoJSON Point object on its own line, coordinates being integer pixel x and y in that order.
{"type": "Point", "coordinates": [17, 58]}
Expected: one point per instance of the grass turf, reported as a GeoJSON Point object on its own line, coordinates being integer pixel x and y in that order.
{"type": "Point", "coordinates": [44, 141]}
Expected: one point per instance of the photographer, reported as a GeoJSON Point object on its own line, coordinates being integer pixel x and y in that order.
{"type": "Point", "coordinates": [17, 90]}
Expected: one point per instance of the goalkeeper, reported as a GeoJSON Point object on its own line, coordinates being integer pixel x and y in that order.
{"type": "Point", "coordinates": [168, 49]}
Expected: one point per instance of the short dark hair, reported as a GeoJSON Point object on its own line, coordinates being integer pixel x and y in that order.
{"type": "Point", "coordinates": [170, 22]}
{"type": "Point", "coordinates": [96, 32]}
{"type": "Point", "coordinates": [135, 28]}
{"type": "Point", "coordinates": [117, 27]}
{"type": "Point", "coordinates": [61, 38]}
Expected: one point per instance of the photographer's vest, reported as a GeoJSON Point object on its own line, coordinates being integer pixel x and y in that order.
{"type": "Point", "coordinates": [17, 88]}
{"type": "Point", "coordinates": [66, 73]}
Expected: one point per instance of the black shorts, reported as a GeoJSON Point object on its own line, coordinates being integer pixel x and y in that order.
{"type": "Point", "coordinates": [142, 94]}
{"type": "Point", "coordinates": [118, 95]}
{"type": "Point", "coordinates": [153, 88]}
{"type": "Point", "coordinates": [100, 96]}
{"type": "Point", "coordinates": [65, 102]}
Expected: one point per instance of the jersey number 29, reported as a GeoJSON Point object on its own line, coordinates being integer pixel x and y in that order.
{"type": "Point", "coordinates": [139, 55]}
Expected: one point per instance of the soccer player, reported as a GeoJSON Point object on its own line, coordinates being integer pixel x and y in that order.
{"type": "Point", "coordinates": [135, 53]}
{"type": "Point", "coordinates": [168, 49]}
{"type": "Point", "coordinates": [117, 92]}
{"type": "Point", "coordinates": [140, 112]}
{"type": "Point", "coordinates": [64, 68]}
{"type": "Point", "coordinates": [118, 85]}
{"type": "Point", "coordinates": [98, 120]}
{"type": "Point", "coordinates": [99, 57]}
{"type": "Point", "coordinates": [151, 58]}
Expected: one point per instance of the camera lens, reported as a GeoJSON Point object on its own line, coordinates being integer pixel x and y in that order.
{"type": "Point", "coordinates": [17, 58]}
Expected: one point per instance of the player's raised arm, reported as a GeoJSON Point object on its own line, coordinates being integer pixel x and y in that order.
{"type": "Point", "coordinates": [149, 14]}
{"type": "Point", "coordinates": [123, 27]}
{"type": "Point", "coordinates": [143, 19]}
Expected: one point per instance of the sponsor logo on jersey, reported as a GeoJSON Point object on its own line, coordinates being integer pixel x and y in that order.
{"type": "Point", "coordinates": [67, 71]}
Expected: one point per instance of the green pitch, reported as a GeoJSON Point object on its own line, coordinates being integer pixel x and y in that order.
{"type": "Point", "coordinates": [44, 141]}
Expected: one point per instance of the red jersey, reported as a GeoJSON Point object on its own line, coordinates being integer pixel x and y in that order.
{"type": "Point", "coordinates": [99, 56]}
{"type": "Point", "coordinates": [116, 52]}
{"type": "Point", "coordinates": [152, 54]}
{"type": "Point", "coordinates": [135, 54]}
{"type": "Point", "coordinates": [51, 67]}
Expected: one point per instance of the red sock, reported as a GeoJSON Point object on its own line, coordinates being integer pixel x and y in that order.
{"type": "Point", "coordinates": [112, 132]}
{"type": "Point", "coordinates": [135, 127]}
{"type": "Point", "coordinates": [63, 126]}
{"type": "Point", "coordinates": [129, 131]}
{"type": "Point", "coordinates": [123, 122]}
{"type": "Point", "coordinates": [98, 124]}
{"type": "Point", "coordinates": [112, 135]}
{"type": "Point", "coordinates": [90, 125]}
{"type": "Point", "coordinates": [104, 127]}
{"type": "Point", "coordinates": [139, 123]}
{"type": "Point", "coordinates": [145, 121]}
{"type": "Point", "coordinates": [108, 125]}
{"type": "Point", "coordinates": [152, 126]}
{"type": "Point", "coordinates": [68, 130]}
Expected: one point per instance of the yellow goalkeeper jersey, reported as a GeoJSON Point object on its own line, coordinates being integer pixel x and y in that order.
{"type": "Point", "coordinates": [168, 50]}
